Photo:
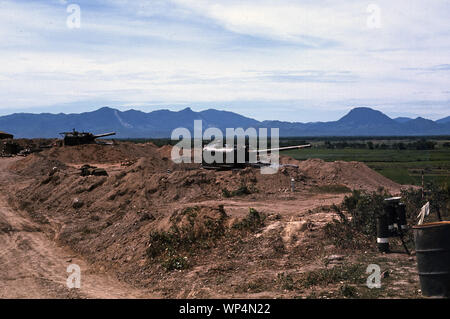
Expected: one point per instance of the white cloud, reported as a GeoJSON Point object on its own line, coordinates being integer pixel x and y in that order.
{"type": "Point", "coordinates": [186, 51]}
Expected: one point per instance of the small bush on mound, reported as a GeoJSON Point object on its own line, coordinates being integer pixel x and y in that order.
{"type": "Point", "coordinates": [192, 228]}
{"type": "Point", "coordinates": [437, 195]}
{"type": "Point", "coordinates": [364, 208]}
{"type": "Point", "coordinates": [348, 291]}
{"type": "Point", "coordinates": [252, 222]}
{"type": "Point", "coordinates": [226, 193]}
{"type": "Point", "coordinates": [357, 230]}
{"type": "Point", "coordinates": [347, 273]}
{"type": "Point", "coordinates": [332, 189]}
{"type": "Point", "coordinates": [241, 191]}
{"type": "Point", "coordinates": [286, 281]}
{"type": "Point", "coordinates": [161, 242]}
{"type": "Point", "coordinates": [196, 228]}
{"type": "Point", "coordinates": [189, 229]}
{"type": "Point", "coordinates": [176, 263]}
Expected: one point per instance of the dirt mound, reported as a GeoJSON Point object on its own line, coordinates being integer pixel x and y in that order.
{"type": "Point", "coordinates": [165, 151]}
{"type": "Point", "coordinates": [94, 153]}
{"type": "Point", "coordinates": [36, 165]}
{"type": "Point", "coordinates": [156, 179]}
{"type": "Point", "coordinates": [61, 157]}
{"type": "Point", "coordinates": [115, 220]}
{"type": "Point", "coordinates": [354, 175]}
{"type": "Point", "coordinates": [35, 143]}
{"type": "Point", "coordinates": [183, 231]}
{"type": "Point", "coordinates": [173, 181]}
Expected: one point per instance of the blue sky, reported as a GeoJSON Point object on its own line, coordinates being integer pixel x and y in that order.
{"type": "Point", "coordinates": [286, 60]}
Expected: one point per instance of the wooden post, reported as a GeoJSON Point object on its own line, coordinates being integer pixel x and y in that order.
{"type": "Point", "coordinates": [422, 186]}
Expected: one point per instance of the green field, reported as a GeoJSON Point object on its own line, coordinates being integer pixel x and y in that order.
{"type": "Point", "coordinates": [402, 166]}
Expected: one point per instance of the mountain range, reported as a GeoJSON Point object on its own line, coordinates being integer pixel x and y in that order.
{"type": "Point", "coordinates": [360, 121]}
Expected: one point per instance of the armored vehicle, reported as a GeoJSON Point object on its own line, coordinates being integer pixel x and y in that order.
{"type": "Point", "coordinates": [213, 150]}
{"type": "Point", "coordinates": [80, 138]}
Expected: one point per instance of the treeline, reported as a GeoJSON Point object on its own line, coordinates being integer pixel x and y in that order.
{"type": "Point", "coordinates": [416, 145]}
{"type": "Point", "coordinates": [420, 144]}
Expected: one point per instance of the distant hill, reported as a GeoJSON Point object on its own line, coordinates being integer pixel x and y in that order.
{"type": "Point", "coordinates": [444, 120]}
{"type": "Point", "coordinates": [402, 119]}
{"type": "Point", "coordinates": [360, 121]}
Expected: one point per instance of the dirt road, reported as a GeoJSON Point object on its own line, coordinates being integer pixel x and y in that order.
{"type": "Point", "coordinates": [34, 266]}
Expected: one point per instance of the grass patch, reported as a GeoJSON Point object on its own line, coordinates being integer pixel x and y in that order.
{"type": "Point", "coordinates": [254, 286]}
{"type": "Point", "coordinates": [189, 230]}
{"type": "Point", "coordinates": [331, 189]}
{"type": "Point", "coordinates": [348, 291]}
{"type": "Point", "coordinates": [252, 222]}
{"type": "Point", "coordinates": [350, 274]}
{"type": "Point", "coordinates": [286, 281]}
{"type": "Point", "coordinates": [196, 228]}
{"type": "Point", "coordinates": [176, 263]}
{"type": "Point", "coordinates": [356, 228]}
{"type": "Point", "coordinates": [241, 191]}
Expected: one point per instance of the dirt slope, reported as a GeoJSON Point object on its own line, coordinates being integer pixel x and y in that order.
{"type": "Point", "coordinates": [34, 266]}
{"type": "Point", "coordinates": [355, 175]}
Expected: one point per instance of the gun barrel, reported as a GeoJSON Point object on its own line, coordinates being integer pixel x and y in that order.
{"type": "Point", "coordinates": [282, 148]}
{"type": "Point", "coordinates": [105, 134]}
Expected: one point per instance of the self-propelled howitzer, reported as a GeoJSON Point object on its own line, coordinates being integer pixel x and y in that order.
{"type": "Point", "coordinates": [218, 154]}
{"type": "Point", "coordinates": [80, 138]}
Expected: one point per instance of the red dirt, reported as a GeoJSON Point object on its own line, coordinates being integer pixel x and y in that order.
{"type": "Point", "coordinates": [108, 220]}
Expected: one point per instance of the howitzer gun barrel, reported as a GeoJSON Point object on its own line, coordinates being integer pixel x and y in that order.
{"type": "Point", "coordinates": [282, 148]}
{"type": "Point", "coordinates": [104, 135]}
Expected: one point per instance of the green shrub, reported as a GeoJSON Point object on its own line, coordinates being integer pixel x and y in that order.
{"type": "Point", "coordinates": [286, 281]}
{"type": "Point", "coordinates": [358, 230]}
{"type": "Point", "coordinates": [241, 191]}
{"type": "Point", "coordinates": [161, 242]}
{"type": "Point", "coordinates": [348, 291]}
{"type": "Point", "coordinates": [346, 273]}
{"type": "Point", "coordinates": [437, 195]}
{"type": "Point", "coordinates": [198, 232]}
{"type": "Point", "coordinates": [252, 222]}
{"type": "Point", "coordinates": [176, 263]}
{"type": "Point", "coordinates": [226, 193]}
{"type": "Point", "coordinates": [364, 208]}
{"type": "Point", "coordinates": [332, 189]}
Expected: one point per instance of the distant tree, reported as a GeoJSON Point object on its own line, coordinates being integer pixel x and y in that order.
{"type": "Point", "coordinates": [328, 144]}
{"type": "Point", "coordinates": [422, 144]}
{"type": "Point", "coordinates": [400, 146]}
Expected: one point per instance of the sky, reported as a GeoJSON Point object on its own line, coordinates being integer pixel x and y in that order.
{"type": "Point", "coordinates": [288, 60]}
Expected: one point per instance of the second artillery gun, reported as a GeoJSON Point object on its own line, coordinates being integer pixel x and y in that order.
{"type": "Point", "coordinates": [217, 149]}
{"type": "Point", "coordinates": [80, 138]}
